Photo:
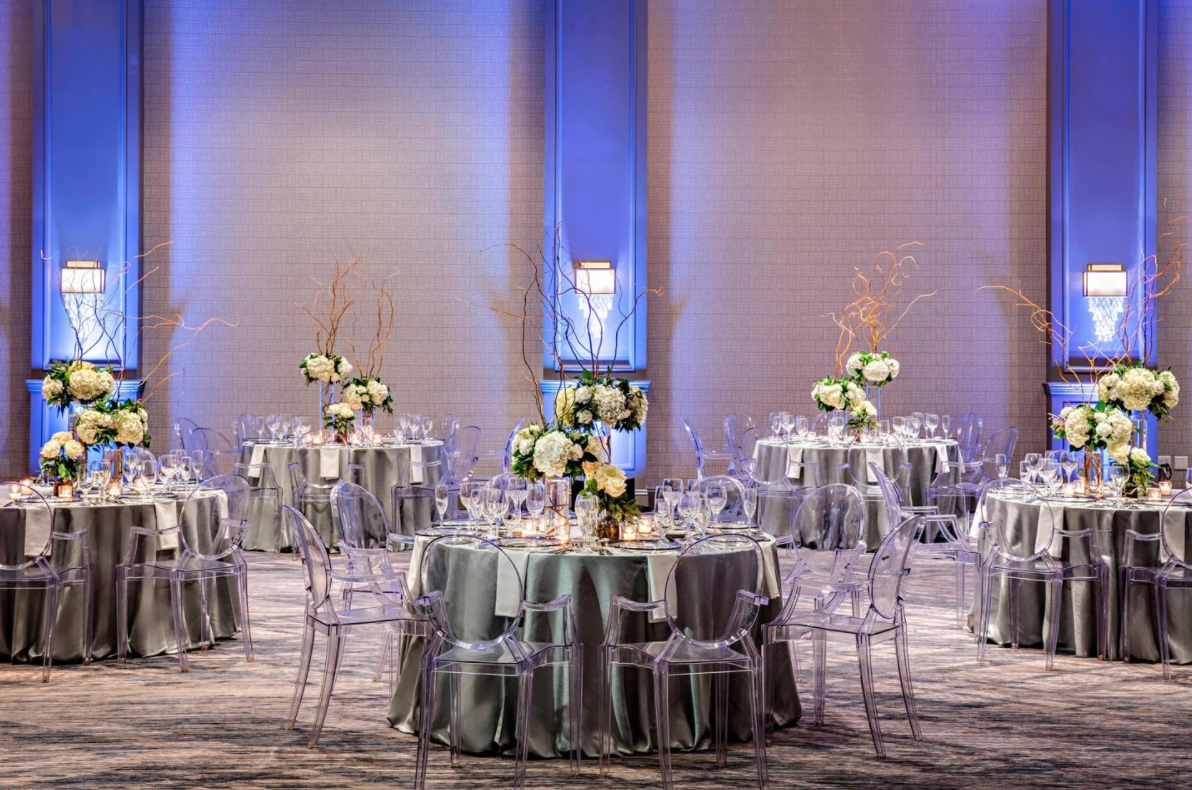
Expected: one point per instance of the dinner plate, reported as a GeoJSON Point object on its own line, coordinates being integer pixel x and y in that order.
{"type": "Point", "coordinates": [529, 543]}
{"type": "Point", "coordinates": [645, 545]}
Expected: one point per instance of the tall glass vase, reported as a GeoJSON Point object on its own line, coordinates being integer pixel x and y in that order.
{"type": "Point", "coordinates": [326, 398]}
{"type": "Point", "coordinates": [558, 506]}
{"type": "Point", "coordinates": [874, 395]}
{"type": "Point", "coordinates": [1139, 419]}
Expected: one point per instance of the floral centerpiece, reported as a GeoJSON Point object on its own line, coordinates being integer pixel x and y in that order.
{"type": "Point", "coordinates": [872, 369]}
{"type": "Point", "coordinates": [77, 382]}
{"type": "Point", "coordinates": [1139, 476]}
{"type": "Point", "coordinates": [601, 400]}
{"type": "Point", "coordinates": [618, 508]}
{"type": "Point", "coordinates": [339, 418]}
{"type": "Point", "coordinates": [366, 395]}
{"type": "Point", "coordinates": [62, 457]}
{"type": "Point", "coordinates": [540, 452]}
{"type": "Point", "coordinates": [1094, 427]}
{"type": "Point", "coordinates": [1137, 388]}
{"type": "Point", "coordinates": [114, 423]}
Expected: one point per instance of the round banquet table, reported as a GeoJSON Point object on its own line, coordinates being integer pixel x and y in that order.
{"type": "Point", "coordinates": [1076, 610]}
{"type": "Point", "coordinates": [381, 468]}
{"type": "Point", "coordinates": [150, 618]}
{"type": "Point", "coordinates": [926, 458]}
{"type": "Point", "coordinates": [591, 580]}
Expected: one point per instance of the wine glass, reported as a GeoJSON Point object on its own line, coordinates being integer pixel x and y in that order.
{"type": "Point", "coordinates": [749, 502]}
{"type": "Point", "coordinates": [132, 469]}
{"type": "Point", "coordinates": [1002, 462]}
{"type": "Point", "coordinates": [1068, 464]}
{"type": "Point", "coordinates": [496, 504]}
{"type": "Point", "coordinates": [931, 422]}
{"type": "Point", "coordinates": [701, 515]}
{"type": "Point", "coordinates": [536, 500]}
{"type": "Point", "coordinates": [197, 459]}
{"type": "Point", "coordinates": [403, 421]}
{"type": "Point", "coordinates": [946, 424]}
{"type": "Point", "coordinates": [688, 504]}
{"type": "Point", "coordinates": [788, 424]}
{"type": "Point", "coordinates": [258, 424]}
{"type": "Point", "coordinates": [518, 489]}
{"type": "Point", "coordinates": [442, 496]}
{"type": "Point", "coordinates": [663, 511]}
{"type": "Point", "coordinates": [775, 424]}
{"type": "Point", "coordinates": [801, 427]}
{"type": "Point", "coordinates": [717, 497]}
{"type": "Point", "coordinates": [913, 424]}
{"type": "Point", "coordinates": [1117, 480]}
{"type": "Point", "coordinates": [672, 489]}
{"type": "Point", "coordinates": [1048, 471]}
{"type": "Point", "coordinates": [471, 494]}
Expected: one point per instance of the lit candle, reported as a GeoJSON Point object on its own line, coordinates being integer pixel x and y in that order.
{"type": "Point", "coordinates": [1153, 493]}
{"type": "Point", "coordinates": [1069, 489]}
{"type": "Point", "coordinates": [64, 490]}
{"type": "Point", "coordinates": [1165, 487]}
{"type": "Point", "coordinates": [14, 489]}
{"type": "Point", "coordinates": [115, 491]}
{"type": "Point", "coordinates": [27, 482]}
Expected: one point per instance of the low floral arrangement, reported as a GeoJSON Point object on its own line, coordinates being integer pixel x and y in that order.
{"type": "Point", "coordinates": [862, 417]}
{"type": "Point", "coordinates": [608, 485]}
{"type": "Point", "coordinates": [831, 394]}
{"type": "Point", "coordinates": [76, 382]}
{"type": "Point", "coordinates": [327, 369]}
{"type": "Point", "coordinates": [548, 451]}
{"type": "Point", "coordinates": [108, 423]}
{"type": "Point", "coordinates": [63, 457]}
{"type": "Point", "coordinates": [1094, 427]}
{"type": "Point", "coordinates": [614, 403]}
{"type": "Point", "coordinates": [339, 417]}
{"type": "Point", "coordinates": [367, 395]}
{"type": "Point", "coordinates": [1139, 476]}
{"type": "Point", "coordinates": [877, 369]}
{"type": "Point", "coordinates": [1138, 388]}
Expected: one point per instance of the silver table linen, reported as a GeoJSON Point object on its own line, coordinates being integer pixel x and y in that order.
{"type": "Point", "coordinates": [1077, 613]}
{"type": "Point", "coordinates": [381, 468]}
{"type": "Point", "coordinates": [591, 580]}
{"type": "Point", "coordinates": [773, 456]}
{"type": "Point", "coordinates": [150, 619]}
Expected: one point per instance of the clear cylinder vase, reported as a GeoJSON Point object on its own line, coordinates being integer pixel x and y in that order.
{"type": "Point", "coordinates": [326, 398]}
{"type": "Point", "coordinates": [874, 395]}
{"type": "Point", "coordinates": [558, 505]}
{"type": "Point", "coordinates": [1139, 420]}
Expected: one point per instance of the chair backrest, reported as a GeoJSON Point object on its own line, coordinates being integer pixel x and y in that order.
{"type": "Point", "coordinates": [1001, 443]}
{"type": "Point", "coordinates": [819, 426]}
{"type": "Point", "coordinates": [20, 506]}
{"type": "Point", "coordinates": [857, 467]}
{"type": "Point", "coordinates": [889, 568]}
{"type": "Point", "coordinates": [833, 516]}
{"type": "Point", "coordinates": [696, 441]}
{"type": "Point", "coordinates": [1012, 544]}
{"type": "Point", "coordinates": [359, 516]}
{"type": "Point", "coordinates": [466, 585]}
{"type": "Point", "coordinates": [210, 440]}
{"type": "Point", "coordinates": [1177, 516]}
{"type": "Point", "coordinates": [259, 476]}
{"type": "Point", "coordinates": [197, 538]}
{"type": "Point", "coordinates": [183, 428]}
{"type": "Point", "coordinates": [735, 426]}
{"type": "Point", "coordinates": [443, 427]}
{"type": "Point", "coordinates": [315, 562]}
{"type": "Point", "coordinates": [893, 496]}
{"type": "Point", "coordinates": [965, 432]}
{"type": "Point", "coordinates": [243, 428]}
{"type": "Point", "coordinates": [508, 460]}
{"type": "Point", "coordinates": [734, 492]}
{"type": "Point", "coordinates": [703, 590]}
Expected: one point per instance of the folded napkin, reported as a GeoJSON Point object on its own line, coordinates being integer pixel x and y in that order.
{"type": "Point", "coordinates": [941, 459]}
{"type": "Point", "coordinates": [510, 584]}
{"type": "Point", "coordinates": [1050, 519]}
{"type": "Point", "coordinates": [873, 455]}
{"type": "Point", "coordinates": [329, 463]}
{"type": "Point", "coordinates": [1174, 526]}
{"type": "Point", "coordinates": [772, 583]}
{"type": "Point", "coordinates": [221, 502]}
{"type": "Point", "coordinates": [978, 517]}
{"type": "Point", "coordinates": [167, 518]}
{"type": "Point", "coordinates": [37, 530]}
{"type": "Point", "coordinates": [258, 457]}
{"type": "Point", "coordinates": [416, 475]}
{"type": "Point", "coordinates": [414, 573]}
{"type": "Point", "coordinates": [794, 457]}
{"type": "Point", "coordinates": [658, 567]}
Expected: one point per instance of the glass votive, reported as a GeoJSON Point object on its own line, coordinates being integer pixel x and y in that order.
{"type": "Point", "coordinates": [1153, 493]}
{"type": "Point", "coordinates": [1165, 488]}
{"type": "Point", "coordinates": [64, 490]}
{"type": "Point", "coordinates": [115, 491]}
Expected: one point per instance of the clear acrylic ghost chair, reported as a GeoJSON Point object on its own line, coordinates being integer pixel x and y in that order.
{"type": "Point", "coordinates": [198, 555]}
{"type": "Point", "coordinates": [216, 450]}
{"type": "Point", "coordinates": [243, 429]}
{"type": "Point", "coordinates": [183, 427]}
{"type": "Point", "coordinates": [267, 498]}
{"type": "Point", "coordinates": [25, 567]}
{"type": "Point", "coordinates": [966, 434]}
{"type": "Point", "coordinates": [505, 455]}
{"type": "Point", "coordinates": [1067, 555]}
{"type": "Point", "coordinates": [443, 427]}
{"type": "Point", "coordinates": [413, 494]}
{"type": "Point", "coordinates": [857, 471]}
{"type": "Point", "coordinates": [955, 487]}
{"type": "Point", "coordinates": [323, 617]}
{"type": "Point", "coordinates": [884, 619]}
{"type": "Point", "coordinates": [471, 640]}
{"type": "Point", "coordinates": [708, 637]}
{"type": "Point", "coordinates": [734, 490]}
{"type": "Point", "coordinates": [956, 545]}
{"type": "Point", "coordinates": [1160, 560]}
{"type": "Point", "coordinates": [365, 545]}
{"type": "Point", "coordinates": [819, 426]}
{"type": "Point", "coordinates": [703, 454]}
{"type": "Point", "coordinates": [73, 560]}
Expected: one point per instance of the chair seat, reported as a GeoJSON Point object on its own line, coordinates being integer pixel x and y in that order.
{"type": "Point", "coordinates": [838, 623]}
{"type": "Point", "coordinates": [499, 655]}
{"type": "Point", "coordinates": [1042, 568]}
{"type": "Point", "coordinates": [365, 615]}
{"type": "Point", "coordinates": [186, 565]}
{"type": "Point", "coordinates": [22, 577]}
{"type": "Point", "coordinates": [646, 653]}
{"type": "Point", "coordinates": [1174, 575]}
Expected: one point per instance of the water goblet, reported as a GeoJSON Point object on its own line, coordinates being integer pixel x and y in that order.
{"type": "Point", "coordinates": [931, 422]}
{"type": "Point", "coordinates": [688, 504]}
{"type": "Point", "coordinates": [1068, 464]}
{"type": "Point", "coordinates": [1002, 463]}
{"type": "Point", "coordinates": [788, 424]}
{"type": "Point", "coordinates": [801, 427]}
{"type": "Point", "coordinates": [717, 497]}
{"type": "Point", "coordinates": [403, 422]}
{"type": "Point", "coordinates": [775, 424]}
{"type": "Point", "coordinates": [442, 497]}
{"type": "Point", "coordinates": [749, 502]}
{"type": "Point", "coordinates": [672, 489]}
{"type": "Point", "coordinates": [518, 489]}
{"type": "Point", "coordinates": [536, 500]}
{"type": "Point", "coordinates": [471, 493]}
{"type": "Point", "coordinates": [946, 424]}
{"type": "Point", "coordinates": [663, 511]}
{"type": "Point", "coordinates": [1048, 472]}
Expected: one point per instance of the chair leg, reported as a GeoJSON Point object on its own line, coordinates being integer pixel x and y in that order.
{"type": "Point", "coordinates": [759, 712]}
{"type": "Point", "coordinates": [1014, 584]}
{"type": "Point", "coordinates": [720, 717]}
{"type": "Point", "coordinates": [1127, 583]}
{"type": "Point", "coordinates": [427, 718]}
{"type": "Point", "coordinates": [245, 625]}
{"type": "Point", "coordinates": [121, 614]}
{"type": "Point", "coordinates": [1053, 637]}
{"type": "Point", "coordinates": [88, 614]}
{"type": "Point", "coordinates": [383, 656]}
{"type": "Point", "coordinates": [960, 592]}
{"type": "Point", "coordinates": [525, 685]}
{"type": "Point", "coordinates": [662, 712]}
{"type": "Point", "coordinates": [308, 646]}
{"type": "Point", "coordinates": [50, 625]}
{"type": "Point", "coordinates": [205, 629]}
{"type": "Point", "coordinates": [1161, 627]}
{"type": "Point", "coordinates": [604, 682]}
{"type": "Point", "coordinates": [904, 676]}
{"type": "Point", "coordinates": [180, 630]}
{"type": "Point", "coordinates": [819, 672]}
{"type": "Point", "coordinates": [576, 671]}
{"type": "Point", "coordinates": [1101, 609]}
{"type": "Point", "coordinates": [335, 654]}
{"type": "Point", "coordinates": [987, 606]}
{"type": "Point", "coordinates": [455, 725]}
{"type": "Point", "coordinates": [865, 660]}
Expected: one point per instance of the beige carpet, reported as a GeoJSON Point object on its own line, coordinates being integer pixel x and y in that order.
{"type": "Point", "coordinates": [1002, 724]}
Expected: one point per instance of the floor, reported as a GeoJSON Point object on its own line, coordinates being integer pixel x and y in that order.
{"type": "Point", "coordinates": [1004, 723]}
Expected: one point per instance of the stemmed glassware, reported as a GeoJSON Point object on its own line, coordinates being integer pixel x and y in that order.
{"type": "Point", "coordinates": [672, 489]}
{"type": "Point", "coordinates": [586, 513]}
{"type": "Point", "coordinates": [946, 424]}
{"type": "Point", "coordinates": [518, 489]}
{"type": "Point", "coordinates": [801, 427]}
{"type": "Point", "coordinates": [403, 421]}
{"type": "Point", "coordinates": [913, 424]}
{"type": "Point", "coordinates": [536, 501]}
{"type": "Point", "coordinates": [471, 494]}
{"type": "Point", "coordinates": [1049, 471]}
{"type": "Point", "coordinates": [1031, 460]}
{"type": "Point", "coordinates": [1068, 464]}
{"type": "Point", "coordinates": [496, 505]}
{"type": "Point", "coordinates": [775, 424]}
{"type": "Point", "coordinates": [931, 422]}
{"type": "Point", "coordinates": [788, 424]}
{"type": "Point", "coordinates": [1116, 481]}
{"type": "Point", "coordinates": [688, 508]}
{"type": "Point", "coordinates": [442, 497]}
{"type": "Point", "coordinates": [1002, 463]}
{"type": "Point", "coordinates": [197, 458]}
{"type": "Point", "coordinates": [717, 497]}
{"type": "Point", "coordinates": [749, 502]}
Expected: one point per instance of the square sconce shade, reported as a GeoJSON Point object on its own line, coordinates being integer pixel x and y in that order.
{"type": "Point", "coordinates": [1105, 279]}
{"type": "Point", "coordinates": [595, 278]}
{"type": "Point", "coordinates": [82, 277]}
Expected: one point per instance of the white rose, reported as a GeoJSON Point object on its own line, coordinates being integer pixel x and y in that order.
{"type": "Point", "coordinates": [1139, 456]}
{"type": "Point", "coordinates": [610, 479]}
{"type": "Point", "coordinates": [877, 371]}
{"type": "Point", "coordinates": [62, 437]}
{"type": "Point", "coordinates": [74, 450]}
{"type": "Point", "coordinates": [50, 449]}
{"type": "Point", "coordinates": [1119, 452]}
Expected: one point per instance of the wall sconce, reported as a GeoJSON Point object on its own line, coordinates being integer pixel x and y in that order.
{"type": "Point", "coordinates": [82, 277]}
{"type": "Point", "coordinates": [595, 278]}
{"type": "Point", "coordinates": [1105, 288]}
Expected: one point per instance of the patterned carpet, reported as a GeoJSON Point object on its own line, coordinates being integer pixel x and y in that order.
{"type": "Point", "coordinates": [1005, 723]}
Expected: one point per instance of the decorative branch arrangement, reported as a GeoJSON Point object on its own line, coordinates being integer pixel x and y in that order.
{"type": "Point", "coordinates": [100, 327]}
{"type": "Point", "coordinates": [327, 310]}
{"type": "Point", "coordinates": [368, 391]}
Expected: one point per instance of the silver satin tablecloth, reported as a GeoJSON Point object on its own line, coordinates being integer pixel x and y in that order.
{"type": "Point", "coordinates": [381, 468]}
{"type": "Point", "coordinates": [1077, 612]}
{"type": "Point", "coordinates": [150, 619]}
{"type": "Point", "coordinates": [773, 456]}
{"type": "Point", "coordinates": [591, 580]}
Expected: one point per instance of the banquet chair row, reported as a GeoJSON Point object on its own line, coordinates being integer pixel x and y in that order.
{"type": "Point", "coordinates": [150, 555]}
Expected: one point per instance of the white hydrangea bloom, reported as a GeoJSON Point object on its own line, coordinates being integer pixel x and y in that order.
{"type": "Point", "coordinates": [50, 388]}
{"type": "Point", "coordinates": [853, 366]}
